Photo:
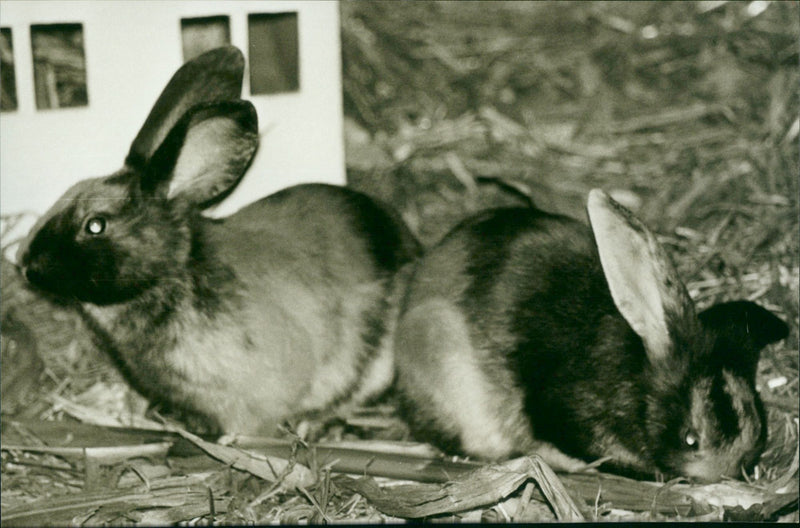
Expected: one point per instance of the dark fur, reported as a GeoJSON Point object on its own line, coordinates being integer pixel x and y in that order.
{"type": "Point", "coordinates": [583, 371]}
{"type": "Point", "coordinates": [279, 309]}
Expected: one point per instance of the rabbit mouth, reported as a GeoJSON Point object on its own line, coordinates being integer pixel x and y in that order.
{"type": "Point", "coordinates": [711, 465]}
{"type": "Point", "coordinates": [710, 469]}
{"type": "Point", "coordinates": [43, 279]}
{"type": "Point", "coordinates": [44, 287]}
{"type": "Point", "coordinates": [66, 287]}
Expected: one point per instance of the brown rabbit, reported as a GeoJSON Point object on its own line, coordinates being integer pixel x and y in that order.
{"type": "Point", "coordinates": [283, 308]}
{"type": "Point", "coordinates": [526, 331]}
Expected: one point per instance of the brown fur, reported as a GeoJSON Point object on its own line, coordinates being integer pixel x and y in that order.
{"type": "Point", "coordinates": [516, 336]}
{"type": "Point", "coordinates": [283, 308]}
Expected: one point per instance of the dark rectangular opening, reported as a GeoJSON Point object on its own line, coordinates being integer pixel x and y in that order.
{"type": "Point", "coordinates": [8, 76]}
{"type": "Point", "coordinates": [201, 34]}
{"type": "Point", "coordinates": [274, 53]}
{"type": "Point", "coordinates": [59, 65]}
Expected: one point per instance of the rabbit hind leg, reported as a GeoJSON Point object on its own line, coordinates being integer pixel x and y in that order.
{"type": "Point", "coordinates": [446, 387]}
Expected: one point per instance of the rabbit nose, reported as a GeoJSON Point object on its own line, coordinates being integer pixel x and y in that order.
{"type": "Point", "coordinates": [34, 275]}
{"type": "Point", "coordinates": [29, 270]}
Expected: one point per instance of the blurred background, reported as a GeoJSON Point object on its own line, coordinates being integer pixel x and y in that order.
{"type": "Point", "coordinates": [80, 76]}
{"type": "Point", "coordinates": [691, 106]}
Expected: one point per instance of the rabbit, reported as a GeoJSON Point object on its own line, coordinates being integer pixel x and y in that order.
{"type": "Point", "coordinates": [281, 309]}
{"type": "Point", "coordinates": [528, 332]}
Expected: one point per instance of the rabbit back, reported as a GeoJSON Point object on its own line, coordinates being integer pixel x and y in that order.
{"type": "Point", "coordinates": [512, 341]}
{"type": "Point", "coordinates": [324, 263]}
{"type": "Point", "coordinates": [460, 338]}
{"type": "Point", "coordinates": [286, 307]}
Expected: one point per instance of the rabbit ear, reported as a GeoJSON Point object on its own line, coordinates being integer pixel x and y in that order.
{"type": "Point", "coordinates": [644, 284]}
{"type": "Point", "coordinates": [213, 76]}
{"type": "Point", "coordinates": [742, 328]}
{"type": "Point", "coordinates": [205, 154]}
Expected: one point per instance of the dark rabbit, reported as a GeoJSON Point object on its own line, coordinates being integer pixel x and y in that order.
{"type": "Point", "coordinates": [522, 332]}
{"type": "Point", "coordinates": [283, 308]}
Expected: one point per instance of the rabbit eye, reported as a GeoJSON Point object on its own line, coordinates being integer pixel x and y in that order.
{"type": "Point", "coordinates": [96, 225]}
{"type": "Point", "coordinates": [690, 439]}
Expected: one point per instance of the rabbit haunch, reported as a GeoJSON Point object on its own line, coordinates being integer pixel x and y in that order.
{"type": "Point", "coordinates": [514, 338]}
{"type": "Point", "coordinates": [283, 308]}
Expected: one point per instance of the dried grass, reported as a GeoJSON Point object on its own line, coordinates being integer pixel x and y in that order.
{"type": "Point", "coordinates": [451, 108]}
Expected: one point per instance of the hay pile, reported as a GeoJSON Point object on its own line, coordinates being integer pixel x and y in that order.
{"type": "Point", "coordinates": [687, 112]}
